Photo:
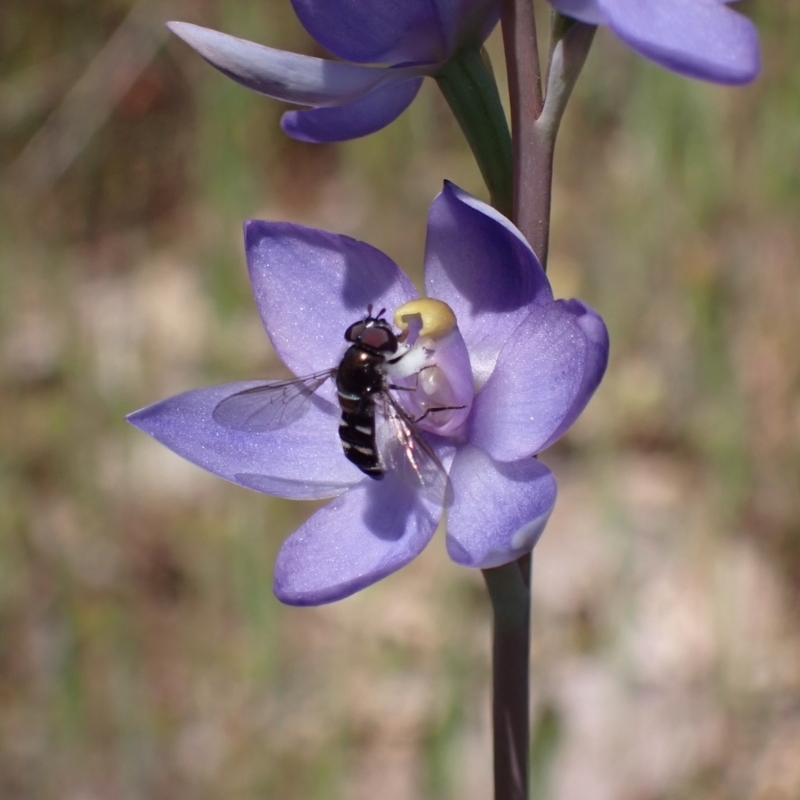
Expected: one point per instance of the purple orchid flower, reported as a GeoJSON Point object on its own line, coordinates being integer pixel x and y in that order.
{"type": "Point", "coordinates": [411, 38]}
{"type": "Point", "coordinates": [517, 369]}
{"type": "Point", "coordinates": [699, 38]}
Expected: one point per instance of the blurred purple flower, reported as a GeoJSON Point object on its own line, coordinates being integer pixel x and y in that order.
{"type": "Point", "coordinates": [522, 365]}
{"type": "Point", "coordinates": [411, 38]}
{"type": "Point", "coordinates": [699, 38]}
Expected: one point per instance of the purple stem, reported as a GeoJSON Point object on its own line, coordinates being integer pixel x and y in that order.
{"type": "Point", "coordinates": [533, 149]}
{"type": "Point", "coordinates": [509, 585]}
{"type": "Point", "coordinates": [509, 590]}
{"type": "Point", "coordinates": [535, 117]}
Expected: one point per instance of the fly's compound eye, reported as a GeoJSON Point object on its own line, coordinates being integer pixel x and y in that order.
{"type": "Point", "coordinates": [354, 332]}
{"type": "Point", "coordinates": [374, 334]}
{"type": "Point", "coordinates": [380, 338]}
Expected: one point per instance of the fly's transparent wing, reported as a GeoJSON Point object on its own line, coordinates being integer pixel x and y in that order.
{"type": "Point", "coordinates": [272, 405]}
{"type": "Point", "coordinates": [406, 452]}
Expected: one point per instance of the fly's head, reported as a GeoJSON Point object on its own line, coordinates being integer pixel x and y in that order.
{"type": "Point", "coordinates": [373, 333]}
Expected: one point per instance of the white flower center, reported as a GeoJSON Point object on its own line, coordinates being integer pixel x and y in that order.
{"type": "Point", "coordinates": [426, 324]}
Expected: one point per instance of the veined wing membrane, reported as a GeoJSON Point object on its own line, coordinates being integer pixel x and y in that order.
{"type": "Point", "coordinates": [407, 453]}
{"type": "Point", "coordinates": [272, 405]}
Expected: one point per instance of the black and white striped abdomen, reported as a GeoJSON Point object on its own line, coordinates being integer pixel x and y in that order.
{"type": "Point", "coordinates": [359, 379]}
{"type": "Point", "coordinates": [357, 433]}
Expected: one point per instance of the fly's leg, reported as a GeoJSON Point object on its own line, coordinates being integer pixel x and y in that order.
{"type": "Point", "coordinates": [414, 388]}
{"type": "Point", "coordinates": [434, 409]}
{"type": "Point", "coordinates": [416, 377]}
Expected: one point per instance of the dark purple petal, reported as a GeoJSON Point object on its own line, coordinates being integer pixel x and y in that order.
{"type": "Point", "coordinates": [699, 38]}
{"type": "Point", "coordinates": [482, 267]}
{"type": "Point", "coordinates": [366, 115]}
{"type": "Point", "coordinates": [544, 377]}
{"type": "Point", "coordinates": [286, 76]}
{"type": "Point", "coordinates": [303, 461]}
{"type": "Point", "coordinates": [499, 510]}
{"type": "Point", "coordinates": [378, 31]}
{"type": "Point", "coordinates": [588, 11]}
{"type": "Point", "coordinates": [467, 22]}
{"type": "Point", "coordinates": [357, 539]}
{"type": "Point", "coordinates": [310, 285]}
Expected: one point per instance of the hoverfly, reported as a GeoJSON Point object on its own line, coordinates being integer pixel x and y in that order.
{"type": "Point", "coordinates": [363, 389]}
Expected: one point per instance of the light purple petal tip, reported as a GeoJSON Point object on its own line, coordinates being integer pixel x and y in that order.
{"type": "Point", "coordinates": [700, 38]}
{"type": "Point", "coordinates": [366, 115]}
{"type": "Point", "coordinates": [544, 377]}
{"type": "Point", "coordinates": [500, 509]}
{"type": "Point", "coordinates": [285, 76]}
{"type": "Point", "coordinates": [303, 461]}
{"type": "Point", "coordinates": [310, 285]}
{"type": "Point", "coordinates": [381, 31]}
{"type": "Point", "coordinates": [482, 266]}
{"type": "Point", "coordinates": [357, 539]}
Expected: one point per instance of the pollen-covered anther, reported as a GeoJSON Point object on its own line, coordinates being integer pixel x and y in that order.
{"type": "Point", "coordinates": [436, 317]}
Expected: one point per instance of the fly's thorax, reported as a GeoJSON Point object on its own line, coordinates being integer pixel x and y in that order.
{"type": "Point", "coordinates": [360, 373]}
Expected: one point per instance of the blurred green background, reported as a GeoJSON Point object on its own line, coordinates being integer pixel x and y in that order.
{"type": "Point", "coordinates": [142, 654]}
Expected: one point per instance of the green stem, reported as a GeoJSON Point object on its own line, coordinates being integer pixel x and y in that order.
{"type": "Point", "coordinates": [470, 90]}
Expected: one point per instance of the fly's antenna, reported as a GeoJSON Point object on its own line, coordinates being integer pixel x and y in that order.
{"type": "Point", "coordinates": [380, 313]}
{"type": "Point", "coordinates": [369, 309]}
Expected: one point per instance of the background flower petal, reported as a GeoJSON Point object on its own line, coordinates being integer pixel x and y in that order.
{"type": "Point", "coordinates": [587, 11]}
{"type": "Point", "coordinates": [481, 265]}
{"type": "Point", "coordinates": [310, 285]}
{"type": "Point", "coordinates": [544, 377]}
{"type": "Point", "coordinates": [303, 461]}
{"type": "Point", "coordinates": [499, 510]}
{"type": "Point", "coordinates": [368, 114]}
{"type": "Point", "coordinates": [380, 31]}
{"type": "Point", "coordinates": [699, 38]}
{"type": "Point", "coordinates": [467, 22]}
{"type": "Point", "coordinates": [357, 539]}
{"type": "Point", "coordinates": [285, 76]}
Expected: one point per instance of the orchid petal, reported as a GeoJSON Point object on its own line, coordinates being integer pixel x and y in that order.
{"type": "Point", "coordinates": [544, 377]}
{"type": "Point", "coordinates": [467, 22]}
{"type": "Point", "coordinates": [303, 461]}
{"type": "Point", "coordinates": [381, 31]}
{"type": "Point", "coordinates": [699, 38]}
{"type": "Point", "coordinates": [310, 285]}
{"type": "Point", "coordinates": [294, 78]}
{"type": "Point", "coordinates": [357, 539]}
{"type": "Point", "coordinates": [482, 266]}
{"type": "Point", "coordinates": [500, 509]}
{"type": "Point", "coordinates": [363, 116]}
{"type": "Point", "coordinates": [588, 11]}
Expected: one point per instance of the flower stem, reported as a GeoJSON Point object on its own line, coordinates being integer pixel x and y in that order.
{"type": "Point", "coordinates": [532, 169]}
{"type": "Point", "coordinates": [470, 90]}
{"type": "Point", "coordinates": [509, 590]}
{"type": "Point", "coordinates": [535, 117]}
